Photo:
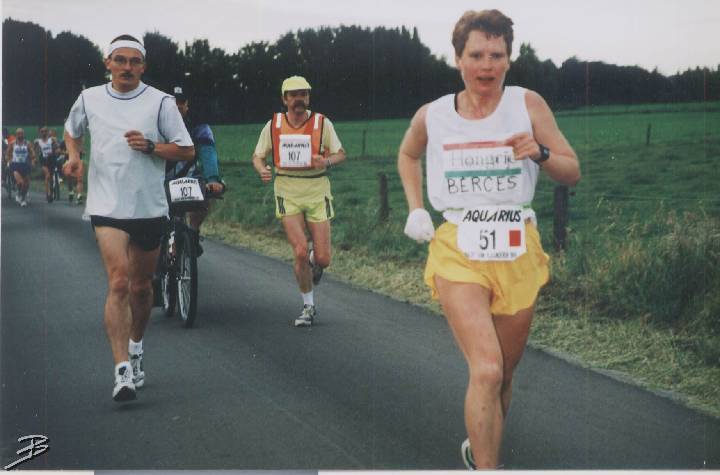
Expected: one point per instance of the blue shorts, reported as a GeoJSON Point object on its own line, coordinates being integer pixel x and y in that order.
{"type": "Point", "coordinates": [22, 168]}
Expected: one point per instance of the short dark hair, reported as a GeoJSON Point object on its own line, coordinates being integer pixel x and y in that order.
{"type": "Point", "coordinates": [491, 22]}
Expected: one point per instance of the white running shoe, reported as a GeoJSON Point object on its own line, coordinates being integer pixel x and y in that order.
{"type": "Point", "coordinates": [137, 367]}
{"type": "Point", "coordinates": [467, 456]}
{"type": "Point", "coordinates": [124, 389]}
{"type": "Point", "coordinates": [18, 198]}
{"type": "Point", "coordinates": [23, 203]}
{"type": "Point", "coordinates": [307, 316]}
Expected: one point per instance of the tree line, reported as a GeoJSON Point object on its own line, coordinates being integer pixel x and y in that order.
{"type": "Point", "coordinates": [356, 73]}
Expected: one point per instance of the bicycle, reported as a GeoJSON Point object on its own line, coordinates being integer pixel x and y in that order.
{"type": "Point", "coordinates": [54, 183]}
{"type": "Point", "coordinates": [177, 280]}
{"type": "Point", "coordinates": [8, 182]}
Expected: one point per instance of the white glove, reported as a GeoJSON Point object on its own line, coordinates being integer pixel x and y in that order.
{"type": "Point", "coordinates": [419, 226]}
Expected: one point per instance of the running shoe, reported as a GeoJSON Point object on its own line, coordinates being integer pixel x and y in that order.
{"type": "Point", "coordinates": [124, 389]}
{"type": "Point", "coordinates": [23, 203]}
{"type": "Point", "coordinates": [137, 367]}
{"type": "Point", "coordinates": [79, 199]}
{"type": "Point", "coordinates": [317, 271]}
{"type": "Point", "coordinates": [18, 198]}
{"type": "Point", "coordinates": [467, 455]}
{"type": "Point", "coordinates": [307, 316]}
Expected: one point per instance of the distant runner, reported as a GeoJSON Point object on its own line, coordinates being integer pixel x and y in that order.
{"type": "Point", "coordinates": [19, 157]}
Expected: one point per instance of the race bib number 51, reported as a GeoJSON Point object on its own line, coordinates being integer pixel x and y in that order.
{"type": "Point", "coordinates": [185, 189]}
{"type": "Point", "coordinates": [492, 233]}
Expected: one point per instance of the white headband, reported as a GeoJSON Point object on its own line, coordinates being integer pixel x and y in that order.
{"type": "Point", "coordinates": [124, 44]}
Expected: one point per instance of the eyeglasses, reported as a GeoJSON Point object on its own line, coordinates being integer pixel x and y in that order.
{"type": "Point", "coordinates": [121, 60]}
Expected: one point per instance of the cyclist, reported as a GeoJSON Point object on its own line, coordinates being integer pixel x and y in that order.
{"type": "Point", "coordinates": [46, 148]}
{"type": "Point", "coordinates": [20, 155]}
{"type": "Point", "coordinates": [205, 165]}
{"type": "Point", "coordinates": [304, 146]}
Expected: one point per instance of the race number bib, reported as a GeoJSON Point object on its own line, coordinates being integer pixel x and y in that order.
{"type": "Point", "coordinates": [481, 168]}
{"type": "Point", "coordinates": [185, 189]}
{"type": "Point", "coordinates": [492, 233]}
{"type": "Point", "coordinates": [295, 151]}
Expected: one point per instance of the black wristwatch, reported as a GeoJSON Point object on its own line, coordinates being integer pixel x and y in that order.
{"type": "Point", "coordinates": [544, 154]}
{"type": "Point", "coordinates": [149, 147]}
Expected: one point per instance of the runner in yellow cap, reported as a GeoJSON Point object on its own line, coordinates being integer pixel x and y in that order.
{"type": "Point", "coordinates": [304, 146]}
{"type": "Point", "coordinates": [484, 148]}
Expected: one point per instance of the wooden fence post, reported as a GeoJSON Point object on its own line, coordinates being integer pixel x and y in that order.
{"type": "Point", "coordinates": [384, 202]}
{"type": "Point", "coordinates": [561, 217]}
{"type": "Point", "coordinates": [364, 143]}
{"type": "Point", "coordinates": [647, 135]}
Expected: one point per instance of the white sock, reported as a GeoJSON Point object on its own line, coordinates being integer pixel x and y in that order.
{"type": "Point", "coordinates": [308, 298]}
{"type": "Point", "coordinates": [135, 347]}
{"type": "Point", "coordinates": [121, 364]}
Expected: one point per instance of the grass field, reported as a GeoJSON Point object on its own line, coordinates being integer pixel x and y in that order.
{"type": "Point", "coordinates": [637, 291]}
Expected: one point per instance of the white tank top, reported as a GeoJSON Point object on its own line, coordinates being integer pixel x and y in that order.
{"type": "Point", "coordinates": [123, 183]}
{"type": "Point", "coordinates": [20, 153]}
{"type": "Point", "coordinates": [46, 146]}
{"type": "Point", "coordinates": [464, 166]}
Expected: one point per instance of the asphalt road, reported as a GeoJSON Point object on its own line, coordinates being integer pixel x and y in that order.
{"type": "Point", "coordinates": [377, 384]}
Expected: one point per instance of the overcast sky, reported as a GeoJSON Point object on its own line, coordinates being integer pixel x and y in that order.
{"type": "Point", "coordinates": [671, 35]}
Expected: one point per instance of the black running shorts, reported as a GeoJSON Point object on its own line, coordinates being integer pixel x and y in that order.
{"type": "Point", "coordinates": [146, 233]}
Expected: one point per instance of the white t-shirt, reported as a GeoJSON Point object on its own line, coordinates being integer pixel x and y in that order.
{"type": "Point", "coordinates": [124, 183]}
{"type": "Point", "coordinates": [466, 164]}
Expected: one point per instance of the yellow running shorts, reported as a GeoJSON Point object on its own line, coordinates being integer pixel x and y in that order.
{"type": "Point", "coordinates": [514, 285]}
{"type": "Point", "coordinates": [308, 196]}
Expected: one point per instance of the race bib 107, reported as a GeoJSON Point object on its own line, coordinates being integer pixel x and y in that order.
{"type": "Point", "coordinates": [185, 189]}
{"type": "Point", "coordinates": [295, 151]}
{"type": "Point", "coordinates": [492, 233]}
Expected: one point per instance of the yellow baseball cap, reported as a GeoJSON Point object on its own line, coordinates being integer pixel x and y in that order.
{"type": "Point", "coordinates": [294, 83]}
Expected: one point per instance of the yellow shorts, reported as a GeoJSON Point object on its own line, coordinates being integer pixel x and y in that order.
{"type": "Point", "coordinates": [308, 196]}
{"type": "Point", "coordinates": [514, 285]}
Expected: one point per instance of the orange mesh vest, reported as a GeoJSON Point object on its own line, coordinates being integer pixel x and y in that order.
{"type": "Point", "coordinates": [313, 127]}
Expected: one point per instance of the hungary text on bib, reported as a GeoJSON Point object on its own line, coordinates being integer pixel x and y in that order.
{"type": "Point", "coordinates": [295, 151]}
{"type": "Point", "coordinates": [481, 168]}
{"type": "Point", "coordinates": [492, 233]}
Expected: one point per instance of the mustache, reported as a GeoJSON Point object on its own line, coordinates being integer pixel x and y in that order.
{"type": "Point", "coordinates": [126, 75]}
{"type": "Point", "coordinates": [298, 103]}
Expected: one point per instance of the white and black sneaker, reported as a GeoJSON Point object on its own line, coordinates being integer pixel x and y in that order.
{"type": "Point", "coordinates": [317, 271]}
{"type": "Point", "coordinates": [137, 368]}
{"type": "Point", "coordinates": [307, 316]}
{"type": "Point", "coordinates": [124, 389]}
{"type": "Point", "coordinates": [467, 456]}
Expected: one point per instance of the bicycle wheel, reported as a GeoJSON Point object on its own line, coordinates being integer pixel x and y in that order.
{"type": "Point", "coordinates": [168, 286]}
{"type": "Point", "coordinates": [187, 279]}
{"type": "Point", "coordinates": [56, 185]}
